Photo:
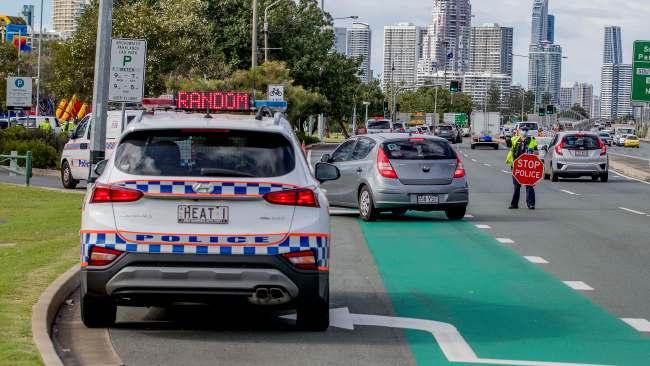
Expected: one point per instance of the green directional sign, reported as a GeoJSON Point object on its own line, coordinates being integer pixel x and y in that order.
{"type": "Point", "coordinates": [641, 72]}
{"type": "Point", "coordinates": [460, 119]}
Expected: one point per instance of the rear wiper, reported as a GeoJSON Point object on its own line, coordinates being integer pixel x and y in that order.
{"type": "Point", "coordinates": [216, 172]}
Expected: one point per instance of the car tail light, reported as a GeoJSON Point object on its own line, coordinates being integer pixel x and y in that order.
{"type": "Point", "coordinates": [100, 256]}
{"type": "Point", "coordinates": [603, 148]}
{"type": "Point", "coordinates": [460, 170]}
{"type": "Point", "coordinates": [293, 197]}
{"type": "Point", "coordinates": [302, 260]}
{"type": "Point", "coordinates": [103, 193]}
{"type": "Point", "coordinates": [416, 139]}
{"type": "Point", "coordinates": [559, 147]}
{"type": "Point", "coordinates": [384, 166]}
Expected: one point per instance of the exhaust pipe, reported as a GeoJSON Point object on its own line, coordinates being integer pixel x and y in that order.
{"type": "Point", "coordinates": [268, 296]}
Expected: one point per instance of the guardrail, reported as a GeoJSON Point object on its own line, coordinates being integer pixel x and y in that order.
{"type": "Point", "coordinates": [14, 168]}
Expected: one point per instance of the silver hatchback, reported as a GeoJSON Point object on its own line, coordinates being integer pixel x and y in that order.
{"type": "Point", "coordinates": [391, 172]}
{"type": "Point", "coordinates": [577, 154]}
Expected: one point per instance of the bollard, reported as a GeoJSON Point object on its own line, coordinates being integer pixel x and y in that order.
{"type": "Point", "coordinates": [13, 163]}
{"type": "Point", "coordinates": [28, 167]}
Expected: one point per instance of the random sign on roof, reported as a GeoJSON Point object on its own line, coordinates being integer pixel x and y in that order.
{"type": "Point", "coordinates": [213, 101]}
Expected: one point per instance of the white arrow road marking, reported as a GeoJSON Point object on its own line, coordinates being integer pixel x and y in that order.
{"type": "Point", "coordinates": [578, 285]}
{"type": "Point", "coordinates": [536, 260]}
{"type": "Point", "coordinates": [483, 226]}
{"type": "Point", "coordinates": [569, 192]}
{"type": "Point", "coordinates": [642, 325]}
{"type": "Point", "coordinates": [633, 211]}
{"type": "Point", "coordinates": [451, 342]}
{"type": "Point", "coordinates": [505, 241]}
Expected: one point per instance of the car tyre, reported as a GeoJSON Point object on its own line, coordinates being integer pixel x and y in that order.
{"type": "Point", "coordinates": [456, 213]}
{"type": "Point", "coordinates": [98, 312]}
{"type": "Point", "coordinates": [314, 316]}
{"type": "Point", "coordinates": [473, 147]}
{"type": "Point", "coordinates": [604, 177]}
{"type": "Point", "coordinates": [67, 180]}
{"type": "Point", "coordinates": [496, 147]}
{"type": "Point", "coordinates": [367, 209]}
{"type": "Point", "coordinates": [547, 176]}
{"type": "Point", "coordinates": [554, 177]}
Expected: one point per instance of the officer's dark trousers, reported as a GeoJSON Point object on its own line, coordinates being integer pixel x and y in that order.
{"type": "Point", "coordinates": [530, 194]}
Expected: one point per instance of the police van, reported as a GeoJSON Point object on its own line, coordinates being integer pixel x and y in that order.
{"type": "Point", "coordinates": [204, 208]}
{"type": "Point", "coordinates": [75, 159]}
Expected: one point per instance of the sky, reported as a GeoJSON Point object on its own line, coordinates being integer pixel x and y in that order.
{"type": "Point", "coordinates": [579, 26]}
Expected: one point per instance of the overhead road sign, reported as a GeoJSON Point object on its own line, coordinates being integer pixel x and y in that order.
{"type": "Point", "coordinates": [128, 61]}
{"type": "Point", "coordinates": [528, 170]}
{"type": "Point", "coordinates": [19, 92]}
{"type": "Point", "coordinates": [641, 72]}
{"type": "Point", "coordinates": [274, 105]}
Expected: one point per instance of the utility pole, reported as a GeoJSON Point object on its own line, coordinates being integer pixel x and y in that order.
{"type": "Point", "coordinates": [100, 86]}
{"type": "Point", "coordinates": [38, 67]}
{"type": "Point", "coordinates": [254, 48]}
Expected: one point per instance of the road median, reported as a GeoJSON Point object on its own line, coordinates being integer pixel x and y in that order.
{"type": "Point", "coordinates": [631, 167]}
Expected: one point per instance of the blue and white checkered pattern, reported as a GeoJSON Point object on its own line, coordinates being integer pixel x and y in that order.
{"type": "Point", "coordinates": [290, 244]}
{"type": "Point", "coordinates": [215, 188]}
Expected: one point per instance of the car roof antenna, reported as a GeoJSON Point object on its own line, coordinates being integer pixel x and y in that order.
{"type": "Point", "coordinates": [208, 115]}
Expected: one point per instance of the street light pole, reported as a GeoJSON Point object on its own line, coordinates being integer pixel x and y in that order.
{"type": "Point", "coordinates": [254, 47]}
{"type": "Point", "coordinates": [38, 67]}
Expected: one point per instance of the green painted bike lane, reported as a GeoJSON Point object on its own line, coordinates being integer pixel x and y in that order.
{"type": "Point", "coordinates": [504, 306]}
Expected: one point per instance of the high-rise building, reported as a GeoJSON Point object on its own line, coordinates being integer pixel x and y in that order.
{"type": "Point", "coordinates": [545, 72]}
{"type": "Point", "coordinates": [359, 40]}
{"type": "Point", "coordinates": [477, 85]}
{"type": "Point", "coordinates": [616, 85]}
{"type": "Point", "coordinates": [448, 38]}
{"type": "Point", "coordinates": [583, 95]}
{"type": "Point", "coordinates": [340, 40]}
{"type": "Point", "coordinates": [612, 53]}
{"type": "Point", "coordinates": [539, 31]}
{"type": "Point", "coordinates": [65, 14]}
{"type": "Point", "coordinates": [595, 107]}
{"type": "Point", "coordinates": [566, 97]}
{"type": "Point", "coordinates": [491, 49]}
{"type": "Point", "coordinates": [550, 28]}
{"type": "Point", "coordinates": [401, 51]}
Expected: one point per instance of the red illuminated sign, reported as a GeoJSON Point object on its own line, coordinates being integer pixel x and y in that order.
{"type": "Point", "coordinates": [213, 101]}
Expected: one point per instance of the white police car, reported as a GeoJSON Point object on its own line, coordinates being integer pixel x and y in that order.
{"type": "Point", "coordinates": [197, 208]}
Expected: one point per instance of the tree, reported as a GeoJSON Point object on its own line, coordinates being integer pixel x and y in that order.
{"type": "Point", "coordinates": [427, 100]}
{"type": "Point", "coordinates": [515, 103]}
{"type": "Point", "coordinates": [8, 67]}
{"type": "Point", "coordinates": [577, 108]}
{"type": "Point", "coordinates": [493, 102]}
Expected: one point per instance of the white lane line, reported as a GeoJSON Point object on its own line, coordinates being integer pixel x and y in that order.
{"type": "Point", "coordinates": [633, 211]}
{"type": "Point", "coordinates": [474, 160]}
{"type": "Point", "coordinates": [487, 165]}
{"type": "Point", "coordinates": [642, 325]}
{"type": "Point", "coordinates": [311, 168]}
{"type": "Point", "coordinates": [484, 226]}
{"type": "Point", "coordinates": [630, 178]}
{"type": "Point", "coordinates": [569, 192]}
{"type": "Point", "coordinates": [629, 156]}
{"type": "Point", "coordinates": [536, 260]}
{"type": "Point", "coordinates": [578, 285]}
{"type": "Point", "coordinates": [505, 171]}
{"type": "Point", "coordinates": [505, 241]}
{"type": "Point", "coordinates": [468, 216]}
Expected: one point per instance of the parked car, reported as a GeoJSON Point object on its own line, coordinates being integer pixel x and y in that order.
{"type": "Point", "coordinates": [379, 126]}
{"type": "Point", "coordinates": [631, 141]}
{"type": "Point", "coordinates": [576, 154]}
{"type": "Point", "coordinates": [391, 172]}
{"type": "Point", "coordinates": [450, 133]}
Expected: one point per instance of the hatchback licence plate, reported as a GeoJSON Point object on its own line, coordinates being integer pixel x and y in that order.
{"type": "Point", "coordinates": [188, 214]}
{"type": "Point", "coordinates": [582, 153]}
{"type": "Point", "coordinates": [427, 199]}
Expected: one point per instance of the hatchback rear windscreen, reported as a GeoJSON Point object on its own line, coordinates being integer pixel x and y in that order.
{"type": "Point", "coordinates": [581, 142]}
{"type": "Point", "coordinates": [379, 125]}
{"type": "Point", "coordinates": [205, 153]}
{"type": "Point", "coordinates": [418, 149]}
{"type": "Point", "coordinates": [446, 128]}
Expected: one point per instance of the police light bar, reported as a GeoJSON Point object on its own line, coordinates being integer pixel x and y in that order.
{"type": "Point", "coordinates": [160, 102]}
{"type": "Point", "coordinates": [213, 101]}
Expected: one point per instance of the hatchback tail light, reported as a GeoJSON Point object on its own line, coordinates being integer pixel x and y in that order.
{"type": "Point", "coordinates": [293, 197]}
{"type": "Point", "coordinates": [100, 256]}
{"type": "Point", "coordinates": [559, 147]}
{"type": "Point", "coordinates": [603, 148]}
{"type": "Point", "coordinates": [104, 193]}
{"type": "Point", "coordinates": [302, 260]}
{"type": "Point", "coordinates": [384, 166]}
{"type": "Point", "coordinates": [460, 170]}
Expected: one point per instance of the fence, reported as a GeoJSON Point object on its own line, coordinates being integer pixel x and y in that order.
{"type": "Point", "coordinates": [14, 168]}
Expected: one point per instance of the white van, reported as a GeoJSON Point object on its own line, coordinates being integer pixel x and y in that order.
{"type": "Point", "coordinates": [75, 160]}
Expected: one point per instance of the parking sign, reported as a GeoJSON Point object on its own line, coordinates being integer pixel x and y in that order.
{"type": "Point", "coordinates": [19, 92]}
{"type": "Point", "coordinates": [128, 59]}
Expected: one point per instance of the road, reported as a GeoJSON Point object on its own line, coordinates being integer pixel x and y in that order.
{"type": "Point", "coordinates": [498, 278]}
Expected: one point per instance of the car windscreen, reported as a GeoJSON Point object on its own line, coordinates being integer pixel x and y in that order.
{"type": "Point", "coordinates": [418, 149]}
{"type": "Point", "coordinates": [205, 153]}
{"type": "Point", "coordinates": [379, 125]}
{"type": "Point", "coordinates": [581, 142]}
{"type": "Point", "coordinates": [528, 126]}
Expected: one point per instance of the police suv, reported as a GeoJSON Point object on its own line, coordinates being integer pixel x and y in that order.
{"type": "Point", "coordinates": [200, 208]}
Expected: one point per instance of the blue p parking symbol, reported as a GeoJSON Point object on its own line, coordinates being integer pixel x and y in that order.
{"type": "Point", "coordinates": [19, 83]}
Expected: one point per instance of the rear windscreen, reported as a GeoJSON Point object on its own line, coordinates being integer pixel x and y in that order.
{"type": "Point", "coordinates": [446, 128]}
{"type": "Point", "coordinates": [418, 149]}
{"type": "Point", "coordinates": [581, 142]}
{"type": "Point", "coordinates": [379, 125]}
{"type": "Point", "coordinates": [205, 153]}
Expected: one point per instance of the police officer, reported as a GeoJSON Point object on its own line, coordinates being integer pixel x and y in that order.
{"type": "Point", "coordinates": [522, 144]}
{"type": "Point", "coordinates": [45, 125]}
{"type": "Point", "coordinates": [68, 126]}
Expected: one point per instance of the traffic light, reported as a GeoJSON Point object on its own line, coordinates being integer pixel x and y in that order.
{"type": "Point", "coordinates": [550, 109]}
{"type": "Point", "coordinates": [542, 112]}
{"type": "Point", "coordinates": [455, 86]}
{"type": "Point", "coordinates": [385, 109]}
{"type": "Point", "coordinates": [397, 107]}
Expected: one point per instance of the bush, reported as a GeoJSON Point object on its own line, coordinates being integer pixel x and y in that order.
{"type": "Point", "coordinates": [307, 139]}
{"type": "Point", "coordinates": [45, 146]}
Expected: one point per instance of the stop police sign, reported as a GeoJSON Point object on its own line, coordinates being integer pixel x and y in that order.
{"type": "Point", "coordinates": [528, 170]}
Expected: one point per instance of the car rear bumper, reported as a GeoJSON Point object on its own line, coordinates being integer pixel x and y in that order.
{"type": "Point", "coordinates": [406, 197]}
{"type": "Point", "coordinates": [143, 279]}
{"type": "Point", "coordinates": [577, 169]}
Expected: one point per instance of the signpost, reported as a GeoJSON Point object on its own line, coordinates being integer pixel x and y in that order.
{"type": "Point", "coordinates": [641, 72]}
{"type": "Point", "coordinates": [19, 92]}
{"type": "Point", "coordinates": [276, 93]}
{"type": "Point", "coordinates": [128, 59]}
{"type": "Point", "coordinates": [528, 170]}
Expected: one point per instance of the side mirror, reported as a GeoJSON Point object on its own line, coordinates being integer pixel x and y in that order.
{"type": "Point", "coordinates": [326, 171]}
{"type": "Point", "coordinates": [99, 168]}
{"type": "Point", "coordinates": [326, 158]}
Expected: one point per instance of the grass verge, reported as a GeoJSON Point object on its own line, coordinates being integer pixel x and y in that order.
{"type": "Point", "coordinates": [39, 240]}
